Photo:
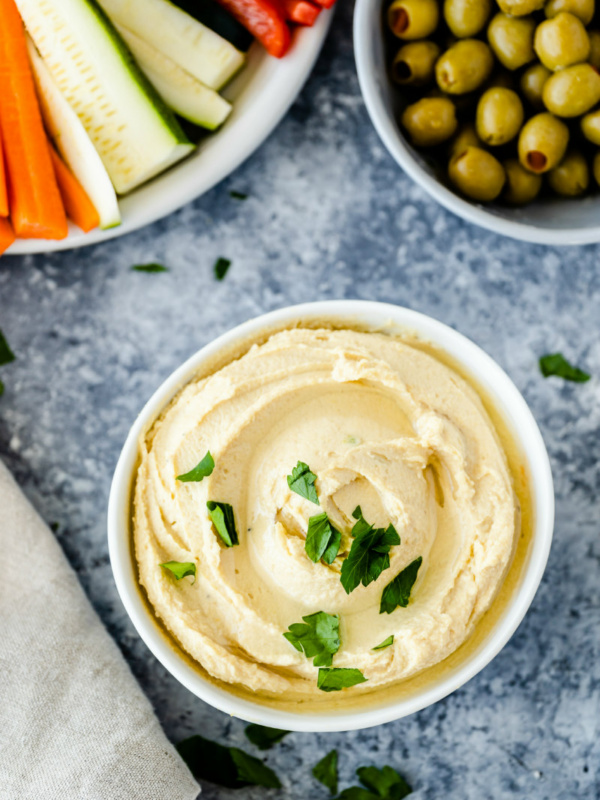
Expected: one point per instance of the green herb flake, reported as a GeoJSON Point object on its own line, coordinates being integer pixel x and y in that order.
{"type": "Point", "coordinates": [302, 482]}
{"type": "Point", "coordinates": [332, 679]}
{"type": "Point", "coordinates": [6, 354]}
{"type": "Point", "coordinates": [322, 539]}
{"type": "Point", "coordinates": [557, 364]}
{"type": "Point", "coordinates": [382, 784]}
{"type": "Point", "coordinates": [221, 266]}
{"type": "Point", "coordinates": [238, 195]}
{"type": "Point", "coordinates": [397, 592]}
{"type": "Point", "coordinates": [225, 766]}
{"type": "Point", "coordinates": [318, 636]}
{"type": "Point", "coordinates": [326, 771]}
{"type": "Point", "coordinates": [222, 517]}
{"type": "Point", "coordinates": [264, 738]}
{"type": "Point", "coordinates": [202, 470]}
{"type": "Point", "coordinates": [180, 569]}
{"type": "Point", "coordinates": [369, 554]}
{"type": "Point", "coordinates": [386, 643]}
{"type": "Point", "coordinates": [150, 268]}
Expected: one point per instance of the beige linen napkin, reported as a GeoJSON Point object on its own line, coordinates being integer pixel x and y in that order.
{"type": "Point", "coordinates": [74, 724]}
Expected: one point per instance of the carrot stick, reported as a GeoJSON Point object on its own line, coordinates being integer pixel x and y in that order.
{"type": "Point", "coordinates": [3, 192]}
{"type": "Point", "coordinates": [302, 12]}
{"type": "Point", "coordinates": [35, 206]}
{"type": "Point", "coordinates": [77, 204]}
{"type": "Point", "coordinates": [7, 235]}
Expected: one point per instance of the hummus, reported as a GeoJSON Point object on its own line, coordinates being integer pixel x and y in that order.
{"type": "Point", "coordinates": [384, 424]}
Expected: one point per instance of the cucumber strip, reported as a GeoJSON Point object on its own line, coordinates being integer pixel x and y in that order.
{"type": "Point", "coordinates": [130, 126]}
{"type": "Point", "coordinates": [72, 142]}
{"type": "Point", "coordinates": [198, 50]}
{"type": "Point", "coordinates": [188, 97]}
{"type": "Point", "coordinates": [211, 14]}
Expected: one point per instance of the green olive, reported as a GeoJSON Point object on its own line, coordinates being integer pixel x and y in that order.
{"type": "Point", "coordinates": [511, 39]}
{"type": "Point", "coordinates": [466, 137]}
{"type": "Point", "coordinates": [464, 66]}
{"type": "Point", "coordinates": [430, 121]}
{"type": "Point", "coordinates": [466, 18]}
{"type": "Point", "coordinates": [477, 173]}
{"type": "Point", "coordinates": [413, 19]}
{"type": "Point", "coordinates": [519, 8]}
{"type": "Point", "coordinates": [594, 56]}
{"type": "Point", "coordinates": [499, 116]}
{"type": "Point", "coordinates": [414, 63]}
{"type": "Point", "coordinates": [584, 9]}
{"type": "Point", "coordinates": [596, 167]}
{"type": "Point", "coordinates": [571, 177]}
{"type": "Point", "coordinates": [572, 91]}
{"type": "Point", "coordinates": [561, 41]}
{"type": "Point", "coordinates": [532, 84]}
{"type": "Point", "coordinates": [542, 142]}
{"type": "Point", "coordinates": [590, 126]}
{"type": "Point", "coordinates": [521, 185]}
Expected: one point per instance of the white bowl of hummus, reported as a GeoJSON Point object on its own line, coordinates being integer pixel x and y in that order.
{"type": "Point", "coordinates": [331, 516]}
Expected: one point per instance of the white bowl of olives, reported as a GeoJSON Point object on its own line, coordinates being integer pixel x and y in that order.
{"type": "Point", "coordinates": [492, 106]}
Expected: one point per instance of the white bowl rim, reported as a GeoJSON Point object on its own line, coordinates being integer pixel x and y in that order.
{"type": "Point", "coordinates": [505, 396]}
{"type": "Point", "coordinates": [394, 143]}
{"type": "Point", "coordinates": [195, 177]}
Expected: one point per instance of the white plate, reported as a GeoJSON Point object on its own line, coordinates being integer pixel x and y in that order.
{"type": "Point", "coordinates": [262, 93]}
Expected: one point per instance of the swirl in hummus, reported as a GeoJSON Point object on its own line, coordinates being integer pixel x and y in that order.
{"type": "Point", "coordinates": [384, 425]}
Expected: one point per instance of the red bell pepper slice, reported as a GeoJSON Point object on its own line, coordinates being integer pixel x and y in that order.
{"type": "Point", "coordinates": [325, 3]}
{"type": "Point", "coordinates": [265, 22]}
{"type": "Point", "coordinates": [302, 12]}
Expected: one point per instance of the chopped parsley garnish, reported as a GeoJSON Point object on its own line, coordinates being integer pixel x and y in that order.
{"type": "Point", "coordinates": [222, 517]}
{"type": "Point", "coordinates": [221, 267]}
{"type": "Point", "coordinates": [557, 364]}
{"type": "Point", "coordinates": [302, 481]}
{"type": "Point", "coordinates": [180, 569]}
{"type": "Point", "coordinates": [225, 766]}
{"type": "Point", "coordinates": [6, 354]}
{"type": "Point", "coordinates": [150, 268]}
{"type": "Point", "coordinates": [397, 592]}
{"type": "Point", "coordinates": [202, 470]}
{"type": "Point", "coordinates": [318, 636]}
{"type": "Point", "coordinates": [369, 554]}
{"type": "Point", "coordinates": [332, 679]}
{"type": "Point", "coordinates": [326, 771]}
{"type": "Point", "coordinates": [322, 539]}
{"type": "Point", "coordinates": [238, 195]}
{"type": "Point", "coordinates": [382, 784]}
{"type": "Point", "coordinates": [386, 643]}
{"type": "Point", "coordinates": [264, 738]}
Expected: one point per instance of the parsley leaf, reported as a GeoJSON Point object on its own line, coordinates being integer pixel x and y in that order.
{"type": "Point", "coordinates": [386, 643]}
{"type": "Point", "coordinates": [397, 592]}
{"type": "Point", "coordinates": [382, 784]}
{"type": "Point", "coordinates": [332, 679]}
{"type": "Point", "coordinates": [180, 569]}
{"type": "Point", "coordinates": [221, 267]}
{"type": "Point", "coordinates": [225, 766]}
{"type": "Point", "coordinates": [264, 738]}
{"type": "Point", "coordinates": [238, 195]}
{"type": "Point", "coordinates": [319, 636]}
{"type": "Point", "coordinates": [326, 771]}
{"type": "Point", "coordinates": [149, 268]}
{"type": "Point", "coordinates": [6, 354]}
{"type": "Point", "coordinates": [322, 539]}
{"type": "Point", "coordinates": [202, 470]}
{"type": "Point", "coordinates": [557, 364]}
{"type": "Point", "coordinates": [302, 482]}
{"type": "Point", "coordinates": [222, 517]}
{"type": "Point", "coordinates": [369, 554]}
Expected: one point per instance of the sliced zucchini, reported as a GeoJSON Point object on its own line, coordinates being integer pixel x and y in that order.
{"type": "Point", "coordinates": [188, 97]}
{"type": "Point", "coordinates": [198, 50]}
{"type": "Point", "coordinates": [130, 126]}
{"type": "Point", "coordinates": [211, 14]}
{"type": "Point", "coordinates": [72, 142]}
